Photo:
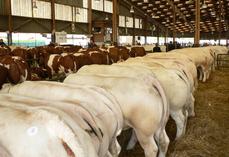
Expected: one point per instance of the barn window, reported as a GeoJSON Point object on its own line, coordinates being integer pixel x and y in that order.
{"type": "Point", "coordinates": [43, 10]}
{"type": "Point", "coordinates": [21, 8]}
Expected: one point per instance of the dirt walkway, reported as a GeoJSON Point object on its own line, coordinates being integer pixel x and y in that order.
{"type": "Point", "coordinates": [207, 134]}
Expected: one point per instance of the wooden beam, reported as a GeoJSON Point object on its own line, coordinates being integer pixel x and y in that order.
{"type": "Point", "coordinates": [133, 39]}
{"type": "Point", "coordinates": [197, 23]}
{"type": "Point", "coordinates": [166, 36]}
{"type": "Point", "coordinates": [150, 19]}
{"type": "Point", "coordinates": [177, 10]}
{"type": "Point", "coordinates": [220, 23]}
{"type": "Point", "coordinates": [89, 16]}
{"type": "Point", "coordinates": [115, 21]}
{"type": "Point", "coordinates": [53, 21]}
{"type": "Point", "coordinates": [10, 23]}
{"type": "Point", "coordinates": [158, 36]}
{"type": "Point", "coordinates": [145, 28]}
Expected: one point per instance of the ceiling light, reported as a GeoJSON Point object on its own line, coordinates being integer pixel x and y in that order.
{"type": "Point", "coordinates": [213, 13]}
{"type": "Point", "coordinates": [131, 9]}
{"type": "Point", "coordinates": [204, 6]}
{"type": "Point", "coordinates": [96, 1]}
{"type": "Point", "coordinates": [106, 18]}
{"type": "Point", "coordinates": [145, 1]}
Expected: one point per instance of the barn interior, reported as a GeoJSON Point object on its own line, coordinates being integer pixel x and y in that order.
{"type": "Point", "coordinates": [49, 41]}
{"type": "Point", "coordinates": [145, 21]}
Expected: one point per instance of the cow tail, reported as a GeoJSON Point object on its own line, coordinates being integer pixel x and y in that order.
{"type": "Point", "coordinates": [165, 112]}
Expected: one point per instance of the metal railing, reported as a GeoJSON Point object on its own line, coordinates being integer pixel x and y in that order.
{"type": "Point", "coordinates": [222, 61]}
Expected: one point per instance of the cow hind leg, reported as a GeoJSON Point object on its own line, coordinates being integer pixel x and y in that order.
{"type": "Point", "coordinates": [114, 148]}
{"type": "Point", "coordinates": [163, 142]}
{"type": "Point", "coordinates": [133, 140]}
{"type": "Point", "coordinates": [191, 110]}
{"type": "Point", "coordinates": [186, 120]}
{"type": "Point", "coordinates": [179, 119]}
{"type": "Point", "coordinates": [148, 143]}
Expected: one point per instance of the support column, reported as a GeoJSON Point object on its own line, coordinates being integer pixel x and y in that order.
{"type": "Point", "coordinates": [89, 17]}
{"type": "Point", "coordinates": [114, 21]}
{"type": "Point", "coordinates": [197, 24]}
{"type": "Point", "coordinates": [53, 23]}
{"type": "Point", "coordinates": [133, 39]}
{"type": "Point", "coordinates": [220, 23]}
{"type": "Point", "coordinates": [227, 38]}
{"type": "Point", "coordinates": [158, 36]}
{"type": "Point", "coordinates": [174, 26]}
{"type": "Point", "coordinates": [145, 29]}
{"type": "Point", "coordinates": [10, 23]}
{"type": "Point", "coordinates": [166, 36]}
{"type": "Point", "coordinates": [166, 39]}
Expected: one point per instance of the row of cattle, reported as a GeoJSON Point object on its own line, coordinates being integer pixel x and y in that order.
{"type": "Point", "coordinates": [83, 116]}
{"type": "Point", "coordinates": [44, 62]}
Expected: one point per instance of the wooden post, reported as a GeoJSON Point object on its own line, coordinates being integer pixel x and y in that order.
{"type": "Point", "coordinates": [114, 21]}
{"type": "Point", "coordinates": [89, 16]}
{"type": "Point", "coordinates": [145, 29]}
{"type": "Point", "coordinates": [174, 26]}
{"type": "Point", "coordinates": [157, 36]}
{"type": "Point", "coordinates": [197, 24]}
{"type": "Point", "coordinates": [117, 25]}
{"type": "Point", "coordinates": [166, 36]}
{"type": "Point", "coordinates": [10, 23]}
{"type": "Point", "coordinates": [53, 23]}
{"type": "Point", "coordinates": [227, 37]}
{"type": "Point", "coordinates": [220, 23]}
{"type": "Point", "coordinates": [133, 39]}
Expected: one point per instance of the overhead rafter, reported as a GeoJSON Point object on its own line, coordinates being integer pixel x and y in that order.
{"type": "Point", "coordinates": [162, 12]}
{"type": "Point", "coordinates": [177, 10]}
{"type": "Point", "coordinates": [150, 19]}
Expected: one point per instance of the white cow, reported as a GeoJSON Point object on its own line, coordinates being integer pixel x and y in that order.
{"type": "Point", "coordinates": [215, 51]}
{"type": "Point", "coordinates": [180, 59]}
{"type": "Point", "coordinates": [162, 63]}
{"type": "Point", "coordinates": [30, 128]}
{"type": "Point", "coordinates": [97, 100]}
{"type": "Point", "coordinates": [175, 84]}
{"type": "Point", "coordinates": [203, 61]}
{"type": "Point", "coordinates": [136, 99]}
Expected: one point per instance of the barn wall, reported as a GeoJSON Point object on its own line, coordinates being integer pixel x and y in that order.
{"type": "Point", "coordinates": [3, 23]}
{"type": "Point", "coordinates": [3, 10]}
{"type": "Point", "coordinates": [77, 3]}
{"type": "Point", "coordinates": [32, 25]}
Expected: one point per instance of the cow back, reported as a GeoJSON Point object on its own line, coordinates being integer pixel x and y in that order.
{"type": "Point", "coordinates": [137, 51]}
{"type": "Point", "coordinates": [3, 76]}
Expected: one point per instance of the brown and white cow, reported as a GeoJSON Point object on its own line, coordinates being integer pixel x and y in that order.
{"type": "Point", "coordinates": [59, 63]}
{"type": "Point", "coordinates": [3, 75]}
{"type": "Point", "coordinates": [18, 69]}
{"type": "Point", "coordinates": [137, 51]}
